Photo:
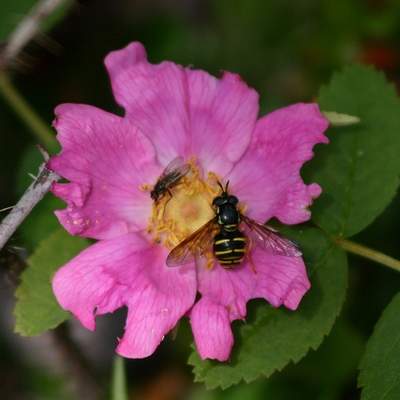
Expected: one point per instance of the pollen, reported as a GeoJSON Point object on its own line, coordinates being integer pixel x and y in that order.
{"type": "Point", "coordinates": [176, 217]}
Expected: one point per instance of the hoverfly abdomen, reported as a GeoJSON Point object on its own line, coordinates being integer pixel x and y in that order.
{"type": "Point", "coordinates": [230, 243]}
{"type": "Point", "coordinates": [229, 247]}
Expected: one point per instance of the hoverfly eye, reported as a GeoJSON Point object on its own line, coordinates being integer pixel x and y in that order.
{"type": "Point", "coordinates": [233, 200]}
{"type": "Point", "coordinates": [218, 201]}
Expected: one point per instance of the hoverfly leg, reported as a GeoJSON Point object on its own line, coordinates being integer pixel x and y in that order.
{"type": "Point", "coordinates": [250, 258]}
{"type": "Point", "coordinates": [252, 265]}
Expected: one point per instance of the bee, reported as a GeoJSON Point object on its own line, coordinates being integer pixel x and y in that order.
{"type": "Point", "coordinates": [169, 178]}
{"type": "Point", "coordinates": [229, 243]}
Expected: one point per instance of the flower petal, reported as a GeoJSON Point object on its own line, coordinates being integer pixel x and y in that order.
{"type": "Point", "coordinates": [184, 112]}
{"type": "Point", "coordinates": [277, 279]}
{"type": "Point", "coordinates": [223, 114]}
{"type": "Point", "coordinates": [212, 330]}
{"type": "Point", "coordinates": [127, 271]}
{"type": "Point", "coordinates": [267, 179]}
{"type": "Point", "coordinates": [156, 303]}
{"type": "Point", "coordinates": [154, 98]}
{"type": "Point", "coordinates": [95, 281]}
{"type": "Point", "coordinates": [224, 297]}
{"type": "Point", "coordinates": [106, 159]}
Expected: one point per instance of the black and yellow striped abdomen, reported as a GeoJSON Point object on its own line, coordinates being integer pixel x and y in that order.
{"type": "Point", "coordinates": [229, 247]}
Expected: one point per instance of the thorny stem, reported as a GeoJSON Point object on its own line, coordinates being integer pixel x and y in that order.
{"type": "Point", "coordinates": [369, 253]}
{"type": "Point", "coordinates": [28, 28]}
{"type": "Point", "coordinates": [23, 109]}
{"type": "Point", "coordinates": [29, 199]}
{"type": "Point", "coordinates": [77, 367]}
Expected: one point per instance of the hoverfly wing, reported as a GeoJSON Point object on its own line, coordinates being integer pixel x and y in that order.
{"type": "Point", "coordinates": [271, 240]}
{"type": "Point", "coordinates": [176, 168]}
{"type": "Point", "coordinates": [195, 244]}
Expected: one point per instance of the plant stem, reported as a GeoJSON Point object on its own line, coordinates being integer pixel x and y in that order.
{"type": "Point", "coordinates": [369, 253]}
{"type": "Point", "coordinates": [21, 107]}
{"type": "Point", "coordinates": [28, 28]}
{"type": "Point", "coordinates": [119, 389]}
{"type": "Point", "coordinates": [36, 191]}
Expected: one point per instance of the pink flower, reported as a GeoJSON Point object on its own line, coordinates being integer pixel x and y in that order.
{"type": "Point", "coordinates": [111, 163]}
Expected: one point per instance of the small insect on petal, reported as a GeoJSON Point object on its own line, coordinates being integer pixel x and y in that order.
{"type": "Point", "coordinates": [169, 178]}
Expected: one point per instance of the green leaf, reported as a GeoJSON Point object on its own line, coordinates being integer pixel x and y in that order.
{"type": "Point", "coordinates": [359, 170]}
{"type": "Point", "coordinates": [380, 367]}
{"type": "Point", "coordinates": [36, 309]}
{"type": "Point", "coordinates": [12, 12]}
{"type": "Point", "coordinates": [253, 391]}
{"type": "Point", "coordinates": [272, 338]}
{"type": "Point", "coordinates": [119, 388]}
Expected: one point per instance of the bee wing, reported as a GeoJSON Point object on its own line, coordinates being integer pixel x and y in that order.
{"type": "Point", "coordinates": [270, 239]}
{"type": "Point", "coordinates": [176, 167]}
{"type": "Point", "coordinates": [195, 244]}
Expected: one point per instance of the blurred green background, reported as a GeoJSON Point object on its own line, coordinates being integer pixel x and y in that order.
{"type": "Point", "coordinates": [286, 50]}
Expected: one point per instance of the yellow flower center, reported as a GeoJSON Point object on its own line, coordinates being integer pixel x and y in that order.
{"type": "Point", "coordinates": [175, 218]}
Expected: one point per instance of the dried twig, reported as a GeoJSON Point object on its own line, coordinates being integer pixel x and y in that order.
{"type": "Point", "coordinates": [30, 198]}
{"type": "Point", "coordinates": [27, 29]}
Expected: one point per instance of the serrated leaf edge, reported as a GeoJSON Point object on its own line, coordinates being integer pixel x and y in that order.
{"type": "Point", "coordinates": [315, 346]}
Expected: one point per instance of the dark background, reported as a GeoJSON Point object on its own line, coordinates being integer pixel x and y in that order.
{"type": "Point", "coordinates": [286, 50]}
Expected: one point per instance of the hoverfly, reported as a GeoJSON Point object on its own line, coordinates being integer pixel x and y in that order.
{"type": "Point", "coordinates": [230, 244]}
{"type": "Point", "coordinates": [169, 178]}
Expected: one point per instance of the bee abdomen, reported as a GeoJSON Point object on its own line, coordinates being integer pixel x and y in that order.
{"type": "Point", "coordinates": [229, 248]}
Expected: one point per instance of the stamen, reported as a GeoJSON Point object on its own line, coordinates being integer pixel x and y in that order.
{"type": "Point", "coordinates": [174, 218]}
